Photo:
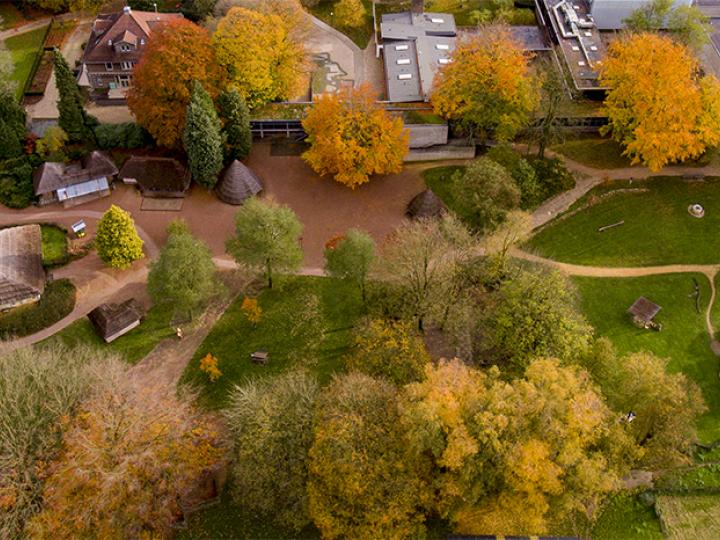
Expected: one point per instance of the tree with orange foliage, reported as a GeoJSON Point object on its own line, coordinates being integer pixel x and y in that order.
{"type": "Point", "coordinates": [488, 86]}
{"type": "Point", "coordinates": [658, 107]}
{"type": "Point", "coordinates": [130, 455]}
{"type": "Point", "coordinates": [209, 365]}
{"type": "Point", "coordinates": [351, 137]}
{"type": "Point", "coordinates": [178, 53]}
{"type": "Point", "coordinates": [251, 310]}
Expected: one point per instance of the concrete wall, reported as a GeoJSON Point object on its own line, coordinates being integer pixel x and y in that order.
{"type": "Point", "coordinates": [425, 135]}
{"type": "Point", "coordinates": [438, 153]}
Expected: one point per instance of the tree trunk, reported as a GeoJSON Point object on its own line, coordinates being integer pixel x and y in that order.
{"type": "Point", "coordinates": [269, 273]}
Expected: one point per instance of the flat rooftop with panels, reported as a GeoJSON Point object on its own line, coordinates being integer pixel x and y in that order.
{"type": "Point", "coordinates": [574, 29]}
{"type": "Point", "coordinates": [415, 46]}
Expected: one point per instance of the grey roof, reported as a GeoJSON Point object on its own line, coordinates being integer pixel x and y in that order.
{"type": "Point", "coordinates": [238, 184]}
{"type": "Point", "coordinates": [51, 176]}
{"type": "Point", "coordinates": [113, 320]}
{"type": "Point", "coordinates": [157, 176]}
{"type": "Point", "coordinates": [22, 277]}
{"type": "Point", "coordinates": [426, 205]}
{"type": "Point", "coordinates": [415, 46]}
{"type": "Point", "coordinates": [643, 309]}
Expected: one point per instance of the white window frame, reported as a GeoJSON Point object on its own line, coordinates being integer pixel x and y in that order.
{"type": "Point", "coordinates": [124, 47]}
{"type": "Point", "coordinates": [126, 66]}
{"type": "Point", "coordinates": [109, 66]}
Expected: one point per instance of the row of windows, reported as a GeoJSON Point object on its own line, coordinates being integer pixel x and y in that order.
{"type": "Point", "coordinates": [125, 66]}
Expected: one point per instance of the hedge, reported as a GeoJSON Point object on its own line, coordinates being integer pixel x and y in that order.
{"type": "Point", "coordinates": [125, 135]}
{"type": "Point", "coordinates": [57, 301]}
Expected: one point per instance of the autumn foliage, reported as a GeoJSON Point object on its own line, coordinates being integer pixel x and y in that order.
{"type": "Point", "coordinates": [209, 365]}
{"type": "Point", "coordinates": [352, 137]}
{"type": "Point", "coordinates": [488, 86]}
{"type": "Point", "coordinates": [251, 310]}
{"type": "Point", "coordinates": [260, 56]}
{"type": "Point", "coordinates": [178, 53]}
{"type": "Point", "coordinates": [658, 107]}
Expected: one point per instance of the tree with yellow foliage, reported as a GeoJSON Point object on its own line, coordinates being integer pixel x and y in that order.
{"type": "Point", "coordinates": [658, 107]}
{"type": "Point", "coordinates": [488, 87]}
{"type": "Point", "coordinates": [513, 457]}
{"type": "Point", "coordinates": [261, 57]}
{"type": "Point", "coordinates": [352, 137]}
{"type": "Point", "coordinates": [209, 365]}
{"type": "Point", "coordinates": [252, 310]}
{"type": "Point", "coordinates": [350, 13]}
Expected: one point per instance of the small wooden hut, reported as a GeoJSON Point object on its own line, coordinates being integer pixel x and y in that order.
{"type": "Point", "coordinates": [426, 205]}
{"type": "Point", "coordinates": [113, 320]}
{"type": "Point", "coordinates": [238, 184]}
{"type": "Point", "coordinates": [159, 177]}
{"type": "Point", "coordinates": [643, 311]}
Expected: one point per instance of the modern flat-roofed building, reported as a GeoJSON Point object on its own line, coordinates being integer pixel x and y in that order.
{"type": "Point", "coordinates": [415, 46]}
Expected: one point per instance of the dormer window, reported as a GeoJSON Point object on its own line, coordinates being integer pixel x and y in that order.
{"type": "Point", "coordinates": [124, 47]}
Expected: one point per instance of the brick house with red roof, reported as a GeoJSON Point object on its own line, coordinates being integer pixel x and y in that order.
{"type": "Point", "coordinates": [116, 44]}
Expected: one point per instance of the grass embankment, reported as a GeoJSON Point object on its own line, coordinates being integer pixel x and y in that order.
{"type": "Point", "coordinates": [627, 517]}
{"type": "Point", "coordinates": [233, 338]}
{"type": "Point", "coordinates": [54, 245]}
{"type": "Point", "coordinates": [24, 48]}
{"type": "Point", "coordinates": [57, 301]}
{"type": "Point", "coordinates": [134, 345]}
{"type": "Point", "coordinates": [657, 227]}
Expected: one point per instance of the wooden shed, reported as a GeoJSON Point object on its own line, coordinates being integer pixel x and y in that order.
{"type": "Point", "coordinates": [238, 184]}
{"type": "Point", "coordinates": [156, 176]}
{"type": "Point", "coordinates": [113, 320]}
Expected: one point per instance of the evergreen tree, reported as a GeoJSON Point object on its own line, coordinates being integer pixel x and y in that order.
{"type": "Point", "coordinates": [117, 240]}
{"type": "Point", "coordinates": [202, 138]}
{"type": "Point", "coordinates": [236, 124]}
{"type": "Point", "coordinates": [73, 118]}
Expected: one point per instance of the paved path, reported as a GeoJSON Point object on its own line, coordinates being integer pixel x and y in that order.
{"type": "Point", "coordinates": [34, 25]}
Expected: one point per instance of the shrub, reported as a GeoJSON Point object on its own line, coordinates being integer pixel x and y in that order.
{"type": "Point", "coordinates": [552, 176]}
{"type": "Point", "coordinates": [521, 171]}
{"type": "Point", "coordinates": [126, 135]}
{"type": "Point", "coordinates": [57, 301]}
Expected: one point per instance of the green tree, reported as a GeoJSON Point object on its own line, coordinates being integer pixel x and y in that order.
{"type": "Point", "coordinates": [202, 138]}
{"type": "Point", "coordinates": [666, 406]}
{"type": "Point", "coordinates": [271, 424]}
{"type": "Point", "coordinates": [12, 114]}
{"type": "Point", "coordinates": [236, 124]}
{"type": "Point", "coordinates": [650, 17]}
{"type": "Point", "coordinates": [535, 315]}
{"type": "Point", "coordinates": [389, 349]}
{"type": "Point", "coordinates": [363, 482]}
{"type": "Point", "coordinates": [117, 241]}
{"type": "Point", "coordinates": [184, 275]}
{"type": "Point", "coordinates": [690, 26]}
{"type": "Point", "coordinates": [73, 118]}
{"type": "Point", "coordinates": [267, 236]}
{"type": "Point", "coordinates": [521, 172]}
{"type": "Point", "coordinates": [350, 258]}
{"type": "Point", "coordinates": [485, 192]}
{"type": "Point", "coordinates": [197, 10]}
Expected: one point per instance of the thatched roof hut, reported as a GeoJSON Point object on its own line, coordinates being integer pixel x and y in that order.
{"type": "Point", "coordinates": [22, 277]}
{"type": "Point", "coordinates": [426, 205]}
{"type": "Point", "coordinates": [77, 182]}
{"type": "Point", "coordinates": [238, 184]}
{"type": "Point", "coordinates": [156, 176]}
{"type": "Point", "coordinates": [113, 320]}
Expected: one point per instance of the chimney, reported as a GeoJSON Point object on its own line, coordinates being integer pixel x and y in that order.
{"type": "Point", "coordinates": [417, 7]}
{"type": "Point", "coordinates": [127, 10]}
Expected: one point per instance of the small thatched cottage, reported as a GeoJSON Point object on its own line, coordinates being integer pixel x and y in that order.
{"type": "Point", "coordinates": [426, 205]}
{"type": "Point", "coordinates": [157, 176]}
{"type": "Point", "coordinates": [238, 184]}
{"type": "Point", "coordinates": [113, 320]}
{"type": "Point", "coordinates": [75, 183]}
{"type": "Point", "coordinates": [22, 277]}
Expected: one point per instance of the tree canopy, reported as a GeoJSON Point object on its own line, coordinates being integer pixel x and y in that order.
{"type": "Point", "coordinates": [73, 119]}
{"type": "Point", "coordinates": [117, 241]}
{"type": "Point", "coordinates": [352, 136]}
{"type": "Point", "coordinates": [658, 108]}
{"type": "Point", "coordinates": [259, 56]}
{"type": "Point", "coordinates": [350, 257]}
{"type": "Point", "coordinates": [179, 54]}
{"type": "Point", "coordinates": [488, 86]}
{"type": "Point", "coordinates": [202, 138]}
{"type": "Point", "coordinates": [235, 118]}
{"type": "Point", "coordinates": [267, 237]}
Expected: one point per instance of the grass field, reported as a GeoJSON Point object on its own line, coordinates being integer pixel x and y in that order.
{"type": "Point", "coordinates": [24, 48]}
{"type": "Point", "coordinates": [134, 345]}
{"type": "Point", "coordinates": [54, 245]}
{"type": "Point", "coordinates": [233, 338]}
{"type": "Point", "coordinates": [594, 152]}
{"type": "Point", "coordinates": [439, 180]}
{"type": "Point", "coordinates": [625, 517]}
{"type": "Point", "coordinates": [657, 230]}
{"type": "Point", "coordinates": [683, 339]}
{"type": "Point", "coordinates": [690, 516]}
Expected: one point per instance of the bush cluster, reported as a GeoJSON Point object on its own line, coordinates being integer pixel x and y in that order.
{"type": "Point", "coordinates": [126, 135]}
{"type": "Point", "coordinates": [16, 185]}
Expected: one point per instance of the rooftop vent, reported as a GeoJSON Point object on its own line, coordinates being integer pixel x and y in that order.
{"type": "Point", "coordinates": [405, 76]}
{"type": "Point", "coordinates": [403, 61]}
{"type": "Point", "coordinates": [109, 42]}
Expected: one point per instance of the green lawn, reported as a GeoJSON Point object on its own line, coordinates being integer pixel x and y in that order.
{"type": "Point", "coordinates": [233, 338]}
{"type": "Point", "coordinates": [683, 338]}
{"type": "Point", "coordinates": [24, 48]}
{"type": "Point", "coordinates": [625, 517]}
{"type": "Point", "coordinates": [54, 245]}
{"type": "Point", "coordinates": [439, 180]}
{"type": "Point", "coordinates": [594, 152]}
{"type": "Point", "coordinates": [9, 16]}
{"type": "Point", "coordinates": [134, 345]}
{"type": "Point", "coordinates": [658, 229]}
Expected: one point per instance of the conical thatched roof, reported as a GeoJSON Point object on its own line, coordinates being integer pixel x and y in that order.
{"type": "Point", "coordinates": [426, 205]}
{"type": "Point", "coordinates": [238, 184]}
